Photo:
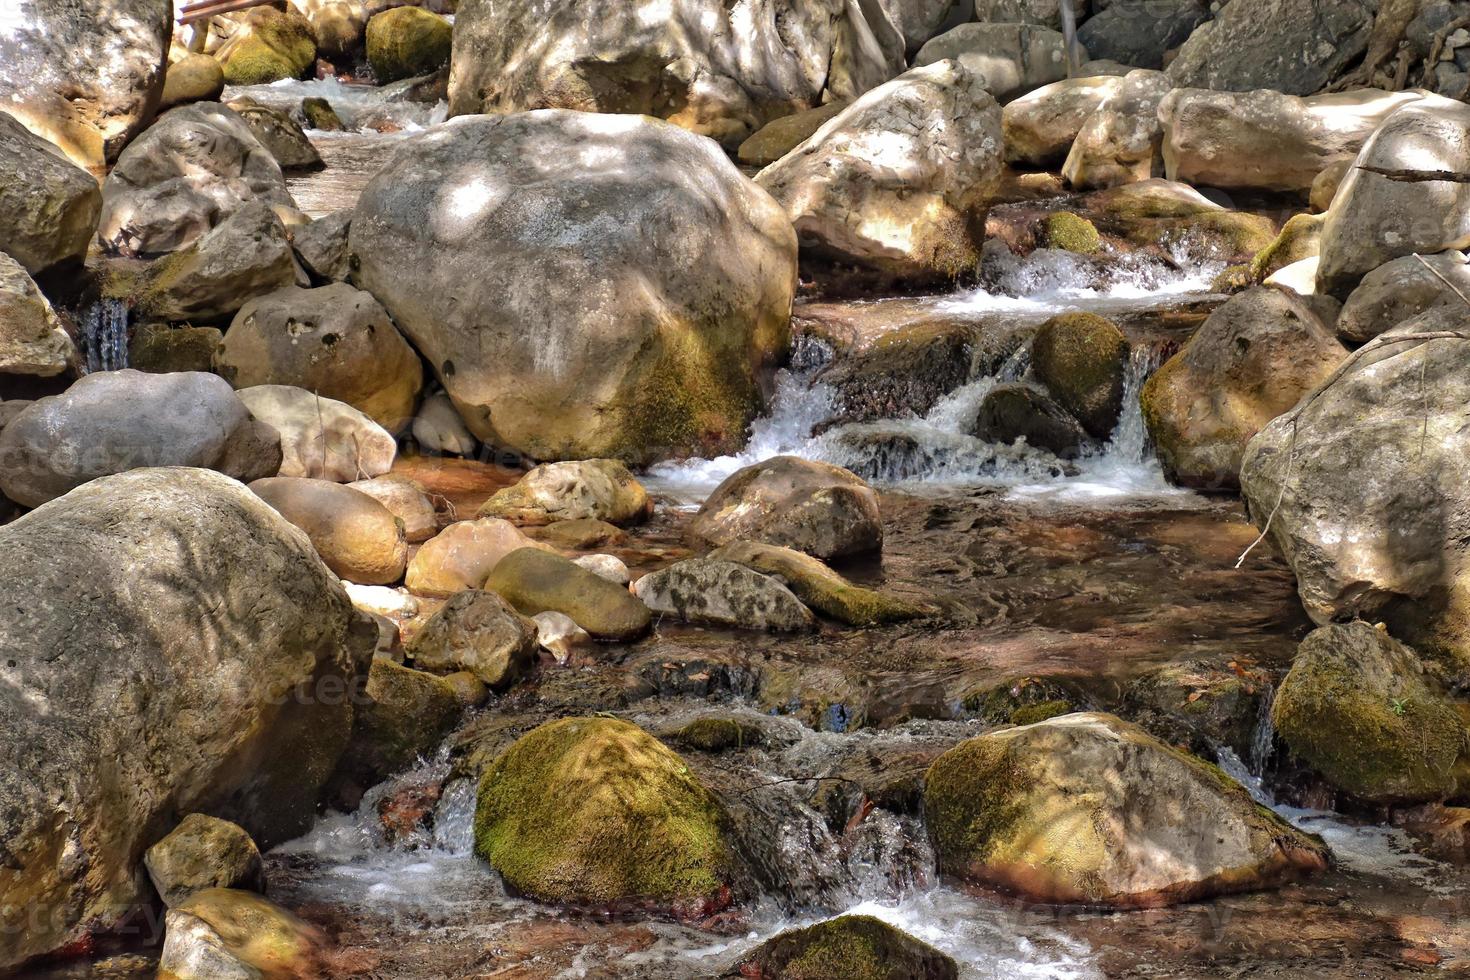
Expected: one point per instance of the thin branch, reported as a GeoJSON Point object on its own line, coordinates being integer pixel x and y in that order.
{"type": "Point", "coordinates": [1418, 176]}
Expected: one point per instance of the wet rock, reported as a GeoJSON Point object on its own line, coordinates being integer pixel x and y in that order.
{"type": "Point", "coordinates": [820, 587]}
{"type": "Point", "coordinates": [1365, 711]}
{"type": "Point", "coordinates": [712, 592]}
{"type": "Point", "coordinates": [1202, 706]}
{"type": "Point", "coordinates": [817, 508]}
{"type": "Point", "coordinates": [192, 690]}
{"type": "Point", "coordinates": [321, 438]}
{"type": "Point", "coordinates": [358, 538]}
{"type": "Point", "coordinates": [1374, 219]}
{"type": "Point", "coordinates": [559, 635]}
{"type": "Point", "coordinates": [115, 421]}
{"type": "Point", "coordinates": [1019, 411]}
{"type": "Point", "coordinates": [583, 533]}
{"type": "Point", "coordinates": [1141, 33]}
{"type": "Point", "coordinates": [438, 428]}
{"type": "Point", "coordinates": [845, 948]}
{"type": "Point", "coordinates": [194, 168]}
{"type": "Point", "coordinates": [1254, 358]}
{"type": "Point", "coordinates": [889, 183]}
{"type": "Point", "coordinates": [193, 78]}
{"type": "Point", "coordinates": [479, 632]}
{"type": "Point", "coordinates": [204, 852]}
{"type": "Point", "coordinates": [462, 556]}
{"type": "Point", "coordinates": [1023, 701]}
{"type": "Point", "coordinates": [780, 136]}
{"type": "Point", "coordinates": [405, 500]}
{"type": "Point", "coordinates": [596, 360]}
{"type": "Point", "coordinates": [408, 813]}
{"type": "Point", "coordinates": [1070, 233]}
{"type": "Point", "coordinates": [1292, 46]}
{"type": "Point", "coordinates": [1400, 289]}
{"type": "Point", "coordinates": [1081, 358]}
{"type": "Point", "coordinates": [1041, 126]}
{"type": "Point", "coordinates": [717, 734]}
{"type": "Point", "coordinates": [319, 114]}
{"type": "Point", "coordinates": [595, 489]}
{"type": "Point", "coordinates": [536, 581]}
{"type": "Point", "coordinates": [905, 371]}
{"type": "Point", "coordinates": [399, 716]}
{"type": "Point", "coordinates": [278, 133]}
{"type": "Point", "coordinates": [32, 340]}
{"type": "Point", "coordinates": [1089, 809]}
{"type": "Point", "coordinates": [1300, 239]}
{"type": "Point", "coordinates": [1446, 829]}
{"type": "Point", "coordinates": [594, 812]}
{"type": "Point", "coordinates": [244, 256]}
{"type": "Point", "coordinates": [159, 348]}
{"type": "Point", "coordinates": [321, 247]}
{"type": "Point", "coordinates": [334, 340]}
{"type": "Point", "coordinates": [609, 567]}
{"type": "Point", "coordinates": [227, 934]}
{"type": "Point", "coordinates": [407, 41]}
{"type": "Point", "coordinates": [48, 207]}
{"type": "Point", "coordinates": [276, 44]}
{"type": "Point", "coordinates": [470, 690]}
{"type": "Point", "coordinates": [1012, 59]}
{"type": "Point", "coordinates": [1120, 142]}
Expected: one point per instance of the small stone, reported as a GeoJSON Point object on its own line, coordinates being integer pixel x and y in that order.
{"type": "Point", "coordinates": [479, 632]}
{"type": "Point", "coordinates": [204, 852]}
{"type": "Point", "coordinates": [609, 567]}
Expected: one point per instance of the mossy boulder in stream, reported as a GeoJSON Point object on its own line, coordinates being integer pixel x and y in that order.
{"type": "Point", "coordinates": [1072, 232]}
{"type": "Point", "coordinates": [279, 45]}
{"type": "Point", "coordinates": [1298, 240]}
{"type": "Point", "coordinates": [1081, 358]}
{"type": "Point", "coordinates": [405, 714]}
{"type": "Point", "coordinates": [1087, 808]}
{"type": "Point", "coordinates": [1368, 714]}
{"type": "Point", "coordinates": [536, 581]}
{"type": "Point", "coordinates": [407, 41]}
{"type": "Point", "coordinates": [820, 587]}
{"type": "Point", "coordinates": [849, 947]}
{"type": "Point", "coordinates": [595, 812]}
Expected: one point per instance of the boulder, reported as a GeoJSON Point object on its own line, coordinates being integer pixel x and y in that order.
{"type": "Point", "coordinates": [1254, 358]}
{"type": "Point", "coordinates": [1141, 34]}
{"type": "Point", "coordinates": [1019, 411]}
{"type": "Point", "coordinates": [1362, 709]}
{"type": "Point", "coordinates": [675, 61]}
{"type": "Point", "coordinates": [1266, 140]}
{"type": "Point", "coordinates": [1041, 125]}
{"type": "Point", "coordinates": [583, 534]}
{"type": "Point", "coordinates": [816, 508]}
{"type": "Point", "coordinates": [204, 852]}
{"type": "Point", "coordinates": [820, 587]}
{"type": "Point", "coordinates": [358, 538]}
{"type": "Point", "coordinates": [159, 348]}
{"type": "Point", "coordinates": [631, 319]}
{"type": "Point", "coordinates": [406, 500]}
{"type": "Point", "coordinates": [1326, 183]}
{"type": "Point", "coordinates": [1119, 143]}
{"type": "Point", "coordinates": [595, 812]}
{"type": "Point", "coordinates": [193, 78]}
{"type": "Point", "coordinates": [1371, 514]}
{"type": "Point", "coordinates": [48, 207]}
{"type": "Point", "coordinates": [1400, 289]}
{"type": "Point", "coordinates": [1292, 46]}
{"type": "Point", "coordinates": [712, 592]}
{"type": "Point", "coordinates": [228, 934]}
{"type": "Point", "coordinates": [339, 27]}
{"type": "Point", "coordinates": [1081, 358]}
{"type": "Point", "coordinates": [1374, 219]}
{"type": "Point", "coordinates": [244, 256]}
{"type": "Point", "coordinates": [537, 581]}
{"type": "Point", "coordinates": [462, 556]}
{"type": "Point", "coordinates": [334, 340]}
{"type": "Point", "coordinates": [588, 489]}
{"type": "Point", "coordinates": [919, 20]}
{"type": "Point", "coordinates": [780, 136]}
{"type": "Point", "coordinates": [32, 340]}
{"type": "Point", "coordinates": [401, 716]}
{"type": "Point", "coordinates": [846, 947]}
{"type": "Point", "coordinates": [88, 67]}
{"type": "Point", "coordinates": [1089, 809]}
{"type": "Point", "coordinates": [407, 41]}
{"type": "Point", "coordinates": [321, 439]}
{"type": "Point", "coordinates": [274, 45]}
{"type": "Point", "coordinates": [479, 632]}
{"type": "Point", "coordinates": [207, 705]}
{"type": "Point", "coordinates": [278, 133]}
{"type": "Point", "coordinates": [195, 167]}
{"type": "Point", "coordinates": [905, 371]}
{"type": "Point", "coordinates": [609, 567]}
{"type": "Point", "coordinates": [319, 114]}
{"type": "Point", "coordinates": [321, 247]}
{"type": "Point", "coordinates": [438, 428]}
{"type": "Point", "coordinates": [1300, 238]}
{"type": "Point", "coordinates": [1010, 59]}
{"type": "Point", "coordinates": [115, 421]}
{"type": "Point", "coordinates": [1205, 706]}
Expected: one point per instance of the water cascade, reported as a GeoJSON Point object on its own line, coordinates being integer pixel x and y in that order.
{"type": "Point", "coordinates": [104, 335]}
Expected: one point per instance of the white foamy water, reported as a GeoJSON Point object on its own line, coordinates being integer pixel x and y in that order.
{"type": "Point", "coordinates": [362, 108]}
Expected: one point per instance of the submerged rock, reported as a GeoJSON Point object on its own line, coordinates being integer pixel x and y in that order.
{"type": "Point", "coordinates": [407, 41]}
{"type": "Point", "coordinates": [204, 852]}
{"type": "Point", "coordinates": [820, 587]}
{"type": "Point", "coordinates": [1082, 359]}
{"type": "Point", "coordinates": [588, 489]}
{"type": "Point", "coordinates": [479, 632]}
{"type": "Point", "coordinates": [32, 340]}
{"type": "Point", "coordinates": [536, 581]}
{"type": "Point", "coordinates": [583, 533]}
{"type": "Point", "coordinates": [595, 812]}
{"type": "Point", "coordinates": [712, 592]}
{"type": "Point", "coordinates": [1086, 808]}
{"type": "Point", "coordinates": [227, 934]}
{"type": "Point", "coordinates": [356, 536]}
{"type": "Point", "coordinates": [321, 438]}
{"type": "Point", "coordinates": [849, 947]}
{"type": "Point", "coordinates": [818, 508]}
{"type": "Point", "coordinates": [49, 208]}
{"type": "Point", "coordinates": [717, 734]}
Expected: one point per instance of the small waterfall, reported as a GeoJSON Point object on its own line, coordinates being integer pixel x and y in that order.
{"type": "Point", "coordinates": [104, 340]}
{"type": "Point", "coordinates": [1263, 739]}
{"type": "Point", "coordinates": [1129, 441]}
{"type": "Point", "coordinates": [1069, 37]}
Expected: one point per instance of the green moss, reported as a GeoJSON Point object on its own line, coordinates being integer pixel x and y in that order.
{"type": "Point", "coordinates": [1081, 358]}
{"type": "Point", "coordinates": [1298, 240]}
{"type": "Point", "coordinates": [596, 812]}
{"type": "Point", "coordinates": [850, 947]}
{"type": "Point", "coordinates": [280, 45]}
{"type": "Point", "coordinates": [407, 41]}
{"type": "Point", "coordinates": [1232, 279]}
{"type": "Point", "coordinates": [976, 797]}
{"type": "Point", "coordinates": [1065, 230]}
{"type": "Point", "coordinates": [718, 734]}
{"type": "Point", "coordinates": [1030, 714]}
{"type": "Point", "coordinates": [1030, 698]}
{"type": "Point", "coordinates": [320, 115]}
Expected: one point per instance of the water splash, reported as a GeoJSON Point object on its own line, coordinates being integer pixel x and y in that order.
{"type": "Point", "coordinates": [362, 108]}
{"type": "Point", "coordinates": [104, 335]}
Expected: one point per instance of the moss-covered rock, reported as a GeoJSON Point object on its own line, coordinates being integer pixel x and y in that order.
{"type": "Point", "coordinates": [1081, 358]}
{"type": "Point", "coordinates": [595, 812]}
{"type": "Point", "coordinates": [1087, 808]}
{"type": "Point", "coordinates": [193, 78]}
{"type": "Point", "coordinates": [160, 349]}
{"type": "Point", "coordinates": [850, 947]}
{"type": "Point", "coordinates": [1200, 705]}
{"type": "Point", "coordinates": [537, 581]}
{"type": "Point", "coordinates": [279, 45]}
{"type": "Point", "coordinates": [1364, 711]}
{"type": "Point", "coordinates": [1298, 240]}
{"type": "Point", "coordinates": [1072, 232]}
{"type": "Point", "coordinates": [204, 852]}
{"type": "Point", "coordinates": [319, 114]}
{"type": "Point", "coordinates": [406, 714]}
{"type": "Point", "coordinates": [225, 932]}
{"type": "Point", "coordinates": [717, 734]}
{"type": "Point", "coordinates": [820, 587]}
{"type": "Point", "coordinates": [1232, 279]}
{"type": "Point", "coordinates": [1022, 701]}
{"type": "Point", "coordinates": [407, 41]}
{"type": "Point", "coordinates": [780, 136]}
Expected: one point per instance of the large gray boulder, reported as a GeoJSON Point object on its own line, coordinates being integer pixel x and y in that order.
{"type": "Point", "coordinates": [245, 255]}
{"type": "Point", "coordinates": [204, 665]}
{"type": "Point", "coordinates": [1398, 290]}
{"type": "Point", "coordinates": [890, 183]}
{"type": "Point", "coordinates": [1139, 34]}
{"type": "Point", "coordinates": [48, 206]}
{"type": "Point", "coordinates": [32, 340]}
{"type": "Point", "coordinates": [116, 421]}
{"type": "Point", "coordinates": [1040, 126]}
{"type": "Point", "coordinates": [718, 69]}
{"type": "Point", "coordinates": [1012, 58]}
{"type": "Point", "coordinates": [1293, 46]}
{"type": "Point", "coordinates": [583, 285]}
{"type": "Point", "coordinates": [817, 508]}
{"type": "Point", "coordinates": [1119, 143]}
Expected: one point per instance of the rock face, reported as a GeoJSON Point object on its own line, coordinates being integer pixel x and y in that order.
{"type": "Point", "coordinates": [1398, 290]}
{"type": "Point", "coordinates": [890, 182]}
{"type": "Point", "coordinates": [243, 256]}
{"type": "Point", "coordinates": [116, 421]}
{"type": "Point", "coordinates": [1292, 46]}
{"type": "Point", "coordinates": [204, 852]}
{"type": "Point", "coordinates": [1374, 219]}
{"type": "Point", "coordinates": [407, 41]}
{"type": "Point", "coordinates": [207, 704]}
{"type": "Point", "coordinates": [335, 340]}
{"type": "Point", "coordinates": [1372, 517]}
{"type": "Point", "coordinates": [595, 812]}
{"type": "Point", "coordinates": [620, 304]}
{"type": "Point", "coordinates": [1254, 358]}
{"type": "Point", "coordinates": [228, 934]}
{"type": "Point", "coordinates": [1363, 710]}
{"type": "Point", "coordinates": [712, 592]}
{"type": "Point", "coordinates": [97, 67]}
{"type": "Point", "coordinates": [588, 489]}
{"type": "Point", "coordinates": [817, 508]}
{"type": "Point", "coordinates": [820, 587]}
{"type": "Point", "coordinates": [1041, 126]}
{"type": "Point", "coordinates": [462, 555]}
{"type": "Point", "coordinates": [1081, 358]}
{"type": "Point", "coordinates": [1012, 58]}
{"type": "Point", "coordinates": [1264, 140]}
{"type": "Point", "coordinates": [32, 340]}
{"type": "Point", "coordinates": [196, 166]}
{"type": "Point", "coordinates": [676, 61]}
{"type": "Point", "coordinates": [1089, 809]}
{"type": "Point", "coordinates": [536, 581]}
{"type": "Point", "coordinates": [479, 632]}
{"type": "Point", "coordinates": [321, 439]}
{"type": "Point", "coordinates": [1119, 143]}
{"type": "Point", "coordinates": [1140, 33]}
{"type": "Point", "coordinates": [48, 207]}
{"type": "Point", "coordinates": [357, 537]}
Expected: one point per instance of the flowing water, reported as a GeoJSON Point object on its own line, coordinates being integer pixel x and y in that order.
{"type": "Point", "coordinates": [103, 325]}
